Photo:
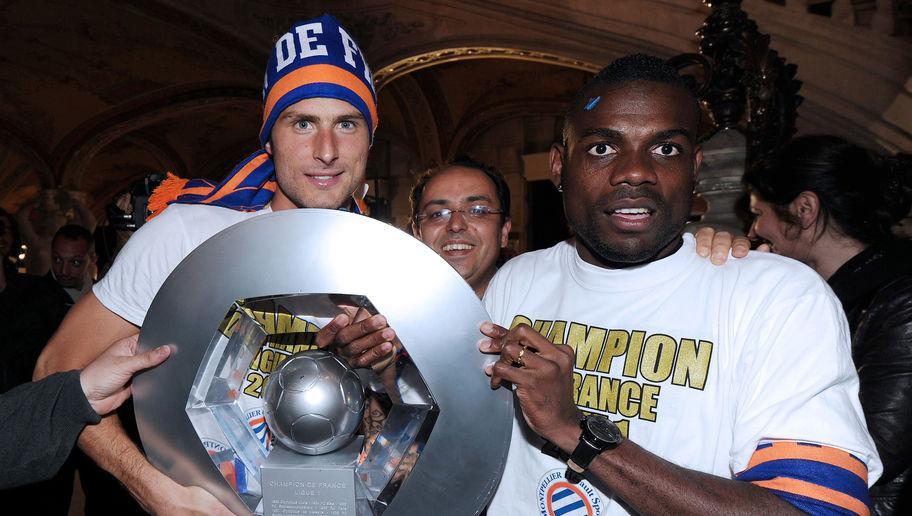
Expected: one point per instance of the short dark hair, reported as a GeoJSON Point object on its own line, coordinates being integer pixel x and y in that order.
{"type": "Point", "coordinates": [75, 232]}
{"type": "Point", "coordinates": [628, 69]}
{"type": "Point", "coordinates": [863, 193]}
{"type": "Point", "coordinates": [501, 189]}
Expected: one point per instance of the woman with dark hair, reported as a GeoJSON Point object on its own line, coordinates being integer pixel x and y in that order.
{"type": "Point", "coordinates": [832, 205]}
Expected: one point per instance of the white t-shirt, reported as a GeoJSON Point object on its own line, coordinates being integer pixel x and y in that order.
{"type": "Point", "coordinates": [141, 268]}
{"type": "Point", "coordinates": [696, 363]}
{"type": "Point", "coordinates": [150, 255]}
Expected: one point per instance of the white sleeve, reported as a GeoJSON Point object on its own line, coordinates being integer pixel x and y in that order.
{"type": "Point", "coordinates": [497, 296]}
{"type": "Point", "coordinates": [490, 299]}
{"type": "Point", "coordinates": [143, 265]}
{"type": "Point", "coordinates": [797, 381]}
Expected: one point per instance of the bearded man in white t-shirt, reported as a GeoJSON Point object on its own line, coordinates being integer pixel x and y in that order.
{"type": "Point", "coordinates": [319, 118]}
{"type": "Point", "coordinates": [648, 380]}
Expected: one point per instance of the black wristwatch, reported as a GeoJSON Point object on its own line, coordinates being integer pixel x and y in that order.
{"type": "Point", "coordinates": [599, 434]}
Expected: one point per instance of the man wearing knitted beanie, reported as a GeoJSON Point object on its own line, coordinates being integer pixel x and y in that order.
{"type": "Point", "coordinates": [320, 113]}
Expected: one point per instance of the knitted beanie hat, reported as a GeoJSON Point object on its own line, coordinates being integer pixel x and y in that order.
{"type": "Point", "coordinates": [317, 58]}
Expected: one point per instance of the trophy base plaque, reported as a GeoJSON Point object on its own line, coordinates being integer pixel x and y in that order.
{"type": "Point", "coordinates": [310, 485]}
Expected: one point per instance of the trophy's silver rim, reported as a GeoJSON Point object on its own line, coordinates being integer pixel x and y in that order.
{"type": "Point", "coordinates": [430, 306]}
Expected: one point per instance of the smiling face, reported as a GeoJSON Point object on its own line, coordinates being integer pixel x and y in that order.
{"type": "Point", "coordinates": [628, 172]}
{"type": "Point", "coordinates": [320, 148]}
{"type": "Point", "coordinates": [784, 238]}
{"type": "Point", "coordinates": [470, 244]}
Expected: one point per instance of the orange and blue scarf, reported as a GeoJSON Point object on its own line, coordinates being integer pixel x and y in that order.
{"type": "Point", "coordinates": [315, 59]}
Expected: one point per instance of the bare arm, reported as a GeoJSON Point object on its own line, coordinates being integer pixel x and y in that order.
{"type": "Point", "coordinates": [88, 329]}
{"type": "Point", "coordinates": [652, 485]}
{"type": "Point", "coordinates": [646, 483]}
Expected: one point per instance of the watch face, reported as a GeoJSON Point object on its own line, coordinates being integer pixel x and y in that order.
{"type": "Point", "coordinates": [603, 429]}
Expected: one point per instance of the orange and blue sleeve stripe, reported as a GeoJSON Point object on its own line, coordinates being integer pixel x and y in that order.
{"type": "Point", "coordinates": [813, 478]}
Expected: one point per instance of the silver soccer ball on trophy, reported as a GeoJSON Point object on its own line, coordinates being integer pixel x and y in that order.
{"type": "Point", "coordinates": [313, 402]}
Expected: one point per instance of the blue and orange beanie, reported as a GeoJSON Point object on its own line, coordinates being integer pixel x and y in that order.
{"type": "Point", "coordinates": [315, 59]}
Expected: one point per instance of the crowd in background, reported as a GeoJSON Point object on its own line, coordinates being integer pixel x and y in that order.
{"type": "Point", "coordinates": [822, 201]}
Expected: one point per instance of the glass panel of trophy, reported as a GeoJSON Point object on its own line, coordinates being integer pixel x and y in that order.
{"type": "Point", "coordinates": [292, 428]}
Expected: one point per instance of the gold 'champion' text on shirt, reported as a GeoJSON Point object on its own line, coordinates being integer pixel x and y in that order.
{"type": "Point", "coordinates": [640, 361]}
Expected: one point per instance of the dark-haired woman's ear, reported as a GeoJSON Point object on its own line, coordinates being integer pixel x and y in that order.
{"type": "Point", "coordinates": [806, 209]}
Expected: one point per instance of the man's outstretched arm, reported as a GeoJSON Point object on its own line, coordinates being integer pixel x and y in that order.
{"type": "Point", "coordinates": [57, 406]}
{"type": "Point", "coordinates": [88, 329]}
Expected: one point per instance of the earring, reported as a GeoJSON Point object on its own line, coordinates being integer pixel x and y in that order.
{"type": "Point", "coordinates": [560, 187]}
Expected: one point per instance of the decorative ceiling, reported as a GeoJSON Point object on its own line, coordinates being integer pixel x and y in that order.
{"type": "Point", "coordinates": [96, 94]}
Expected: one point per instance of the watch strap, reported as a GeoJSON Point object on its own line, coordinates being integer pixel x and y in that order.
{"type": "Point", "coordinates": [552, 450]}
{"type": "Point", "coordinates": [575, 467]}
{"type": "Point", "coordinates": [577, 461]}
{"type": "Point", "coordinates": [574, 473]}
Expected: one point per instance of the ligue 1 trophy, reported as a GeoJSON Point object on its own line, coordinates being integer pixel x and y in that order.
{"type": "Point", "coordinates": [313, 405]}
{"type": "Point", "coordinates": [249, 411]}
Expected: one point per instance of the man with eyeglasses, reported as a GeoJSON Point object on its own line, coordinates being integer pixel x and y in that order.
{"type": "Point", "coordinates": [461, 210]}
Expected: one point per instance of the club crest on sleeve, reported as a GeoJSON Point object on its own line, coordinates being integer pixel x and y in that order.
{"type": "Point", "coordinates": [557, 497]}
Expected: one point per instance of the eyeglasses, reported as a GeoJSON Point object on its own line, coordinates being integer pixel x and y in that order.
{"type": "Point", "coordinates": [443, 215]}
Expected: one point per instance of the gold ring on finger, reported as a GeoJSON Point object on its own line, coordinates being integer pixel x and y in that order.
{"type": "Point", "coordinates": [519, 357]}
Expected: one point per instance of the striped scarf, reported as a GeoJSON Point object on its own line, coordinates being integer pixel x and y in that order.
{"type": "Point", "coordinates": [315, 59]}
{"type": "Point", "coordinates": [249, 187]}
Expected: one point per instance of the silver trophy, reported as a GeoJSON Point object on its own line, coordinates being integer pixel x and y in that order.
{"type": "Point", "coordinates": [314, 403]}
{"type": "Point", "coordinates": [248, 301]}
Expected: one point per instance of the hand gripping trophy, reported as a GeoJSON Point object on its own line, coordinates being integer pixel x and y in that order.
{"type": "Point", "coordinates": [444, 442]}
{"type": "Point", "coordinates": [202, 417]}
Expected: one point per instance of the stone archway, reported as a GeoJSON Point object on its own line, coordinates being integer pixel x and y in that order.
{"type": "Point", "coordinates": [411, 64]}
{"type": "Point", "coordinates": [81, 145]}
{"type": "Point", "coordinates": [856, 79]}
{"type": "Point", "coordinates": [458, 101]}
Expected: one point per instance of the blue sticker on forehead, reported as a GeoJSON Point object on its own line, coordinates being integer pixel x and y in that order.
{"type": "Point", "coordinates": [592, 103]}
